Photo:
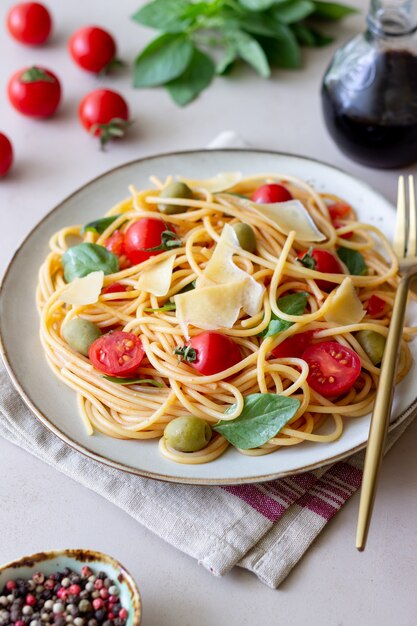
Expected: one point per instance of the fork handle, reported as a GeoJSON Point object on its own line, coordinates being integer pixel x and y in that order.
{"type": "Point", "coordinates": [381, 414]}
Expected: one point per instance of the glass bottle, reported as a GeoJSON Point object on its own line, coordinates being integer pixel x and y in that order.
{"type": "Point", "coordinates": [369, 91]}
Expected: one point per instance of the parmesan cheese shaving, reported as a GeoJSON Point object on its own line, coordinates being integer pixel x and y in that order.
{"type": "Point", "coordinates": [291, 215]}
{"type": "Point", "coordinates": [157, 278]}
{"type": "Point", "coordinates": [345, 306]}
{"type": "Point", "coordinates": [218, 183]}
{"type": "Point", "coordinates": [222, 270]}
{"type": "Point", "coordinates": [84, 290]}
{"type": "Point", "coordinates": [210, 308]}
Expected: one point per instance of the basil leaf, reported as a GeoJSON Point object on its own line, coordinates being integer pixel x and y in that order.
{"type": "Point", "coordinates": [133, 381]}
{"type": "Point", "coordinates": [332, 10]}
{"type": "Point", "coordinates": [353, 260]}
{"type": "Point", "coordinates": [290, 12]}
{"type": "Point", "coordinates": [100, 225]}
{"type": "Point", "coordinates": [164, 59]}
{"type": "Point", "coordinates": [250, 51]}
{"type": "Point", "coordinates": [197, 76]}
{"type": "Point", "coordinates": [166, 15]}
{"type": "Point", "coordinates": [85, 258]}
{"type": "Point", "coordinates": [227, 60]}
{"type": "Point", "coordinates": [320, 39]}
{"type": "Point", "coordinates": [168, 306]}
{"type": "Point", "coordinates": [293, 304]}
{"type": "Point", "coordinates": [282, 50]}
{"type": "Point", "coordinates": [256, 5]}
{"type": "Point", "coordinates": [262, 417]}
{"type": "Point", "coordinates": [304, 35]}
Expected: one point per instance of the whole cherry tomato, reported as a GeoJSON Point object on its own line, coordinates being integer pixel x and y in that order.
{"type": "Point", "coordinates": [322, 261]}
{"type": "Point", "coordinates": [34, 91]}
{"type": "Point", "coordinates": [6, 154]}
{"type": "Point", "coordinates": [210, 353]}
{"type": "Point", "coordinates": [375, 305]}
{"type": "Point", "coordinates": [93, 49]}
{"type": "Point", "coordinates": [334, 368]}
{"type": "Point", "coordinates": [293, 346]}
{"type": "Point", "coordinates": [340, 211]}
{"type": "Point", "coordinates": [268, 194]}
{"type": "Point", "coordinates": [146, 234]}
{"type": "Point", "coordinates": [105, 114]}
{"type": "Point", "coordinates": [117, 354]}
{"type": "Point", "coordinates": [114, 288]}
{"type": "Point", "coordinates": [29, 23]}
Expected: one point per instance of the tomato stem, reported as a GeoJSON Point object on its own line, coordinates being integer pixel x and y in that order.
{"type": "Point", "coordinates": [34, 74]}
{"type": "Point", "coordinates": [114, 64]}
{"type": "Point", "coordinates": [169, 240]}
{"type": "Point", "coordinates": [185, 353]}
{"type": "Point", "coordinates": [115, 128]}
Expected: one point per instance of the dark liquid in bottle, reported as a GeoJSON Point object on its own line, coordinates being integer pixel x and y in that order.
{"type": "Point", "coordinates": [372, 113]}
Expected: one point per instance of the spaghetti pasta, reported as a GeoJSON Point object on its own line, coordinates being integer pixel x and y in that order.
{"type": "Point", "coordinates": [196, 226]}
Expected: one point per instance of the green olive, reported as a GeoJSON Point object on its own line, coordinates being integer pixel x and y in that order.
{"type": "Point", "coordinates": [187, 434]}
{"type": "Point", "coordinates": [373, 343]}
{"type": "Point", "coordinates": [246, 236]}
{"type": "Point", "coordinates": [80, 334]}
{"type": "Point", "coordinates": [174, 190]}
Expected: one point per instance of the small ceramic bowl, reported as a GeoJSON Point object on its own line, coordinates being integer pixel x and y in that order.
{"type": "Point", "coordinates": [57, 560]}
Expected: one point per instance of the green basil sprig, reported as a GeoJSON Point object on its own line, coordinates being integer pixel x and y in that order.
{"type": "Point", "coordinates": [262, 417]}
{"type": "Point", "coordinates": [261, 33]}
{"type": "Point", "coordinates": [100, 225]}
{"type": "Point", "coordinates": [353, 260]}
{"type": "Point", "coordinates": [293, 304]}
{"type": "Point", "coordinates": [85, 258]}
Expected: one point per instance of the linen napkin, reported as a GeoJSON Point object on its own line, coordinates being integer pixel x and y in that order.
{"type": "Point", "coordinates": [265, 528]}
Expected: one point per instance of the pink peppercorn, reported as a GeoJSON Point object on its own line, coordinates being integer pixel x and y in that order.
{"type": "Point", "coordinates": [113, 599]}
{"type": "Point", "coordinates": [62, 593]}
{"type": "Point", "coordinates": [98, 603]}
{"type": "Point", "coordinates": [30, 599]}
{"type": "Point", "coordinates": [49, 584]}
{"type": "Point", "coordinates": [104, 593]}
{"type": "Point", "coordinates": [10, 585]}
{"type": "Point", "coordinates": [86, 571]}
{"type": "Point", "coordinates": [98, 584]}
{"type": "Point", "coordinates": [74, 590]}
{"type": "Point", "coordinates": [123, 614]}
{"type": "Point", "coordinates": [110, 615]}
{"type": "Point", "coordinates": [19, 623]}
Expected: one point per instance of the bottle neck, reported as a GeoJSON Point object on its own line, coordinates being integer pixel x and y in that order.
{"type": "Point", "coordinates": [393, 18]}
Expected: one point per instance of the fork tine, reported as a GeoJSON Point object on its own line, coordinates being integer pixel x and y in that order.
{"type": "Point", "coordinates": [412, 225]}
{"type": "Point", "coordinates": [400, 223]}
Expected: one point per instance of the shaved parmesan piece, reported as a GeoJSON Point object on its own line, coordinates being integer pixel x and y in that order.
{"type": "Point", "coordinates": [157, 279]}
{"type": "Point", "coordinates": [222, 270]}
{"type": "Point", "coordinates": [345, 306]}
{"type": "Point", "coordinates": [84, 290]}
{"type": "Point", "coordinates": [291, 215]}
{"type": "Point", "coordinates": [220, 182]}
{"type": "Point", "coordinates": [210, 308]}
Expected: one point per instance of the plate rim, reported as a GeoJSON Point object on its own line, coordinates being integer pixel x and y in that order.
{"type": "Point", "coordinates": [84, 450]}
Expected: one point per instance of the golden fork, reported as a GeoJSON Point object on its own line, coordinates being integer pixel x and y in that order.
{"type": "Point", "coordinates": [405, 248]}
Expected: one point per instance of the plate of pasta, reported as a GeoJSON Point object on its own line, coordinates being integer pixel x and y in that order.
{"type": "Point", "coordinates": [208, 317]}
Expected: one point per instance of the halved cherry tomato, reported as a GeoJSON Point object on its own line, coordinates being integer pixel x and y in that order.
{"type": "Point", "coordinates": [267, 194]}
{"type": "Point", "coordinates": [210, 353]}
{"type": "Point", "coordinates": [144, 234]}
{"type": "Point", "coordinates": [6, 154]}
{"type": "Point", "coordinates": [293, 346]}
{"type": "Point", "coordinates": [375, 306]}
{"type": "Point", "coordinates": [322, 261]}
{"type": "Point", "coordinates": [114, 288]}
{"type": "Point", "coordinates": [92, 48]}
{"type": "Point", "coordinates": [34, 91]}
{"type": "Point", "coordinates": [334, 368]}
{"type": "Point", "coordinates": [116, 243]}
{"type": "Point", "coordinates": [117, 354]}
{"type": "Point", "coordinates": [338, 211]}
{"type": "Point", "coordinates": [29, 23]}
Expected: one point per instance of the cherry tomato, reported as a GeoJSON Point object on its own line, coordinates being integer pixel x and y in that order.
{"type": "Point", "coordinates": [114, 288]}
{"type": "Point", "coordinates": [268, 194]}
{"type": "Point", "coordinates": [6, 154]}
{"type": "Point", "coordinates": [144, 234]}
{"type": "Point", "coordinates": [117, 354]}
{"type": "Point", "coordinates": [322, 261]}
{"type": "Point", "coordinates": [339, 210]}
{"type": "Point", "coordinates": [334, 368]}
{"type": "Point", "coordinates": [293, 346]}
{"type": "Point", "coordinates": [105, 114]}
{"type": "Point", "coordinates": [92, 48]}
{"type": "Point", "coordinates": [116, 243]}
{"type": "Point", "coordinates": [29, 23]}
{"type": "Point", "coordinates": [214, 352]}
{"type": "Point", "coordinates": [34, 91]}
{"type": "Point", "coordinates": [375, 306]}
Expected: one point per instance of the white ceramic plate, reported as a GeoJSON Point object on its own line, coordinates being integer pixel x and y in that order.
{"type": "Point", "coordinates": [55, 405]}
